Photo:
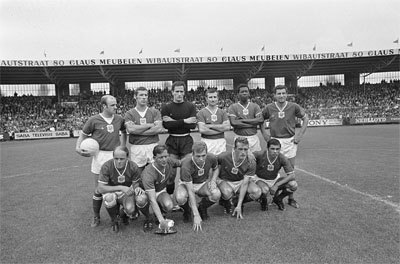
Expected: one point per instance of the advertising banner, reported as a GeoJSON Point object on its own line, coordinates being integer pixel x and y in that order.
{"type": "Point", "coordinates": [40, 135]}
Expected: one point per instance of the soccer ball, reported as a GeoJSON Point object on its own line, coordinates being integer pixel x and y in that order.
{"type": "Point", "coordinates": [166, 228]}
{"type": "Point", "coordinates": [90, 145]}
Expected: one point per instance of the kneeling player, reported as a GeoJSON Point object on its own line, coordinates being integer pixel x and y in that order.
{"type": "Point", "coordinates": [156, 178]}
{"type": "Point", "coordinates": [268, 179]}
{"type": "Point", "coordinates": [119, 184]}
{"type": "Point", "coordinates": [198, 176]}
{"type": "Point", "coordinates": [236, 169]}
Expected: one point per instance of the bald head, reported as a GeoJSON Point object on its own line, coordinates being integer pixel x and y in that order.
{"type": "Point", "coordinates": [105, 99]}
{"type": "Point", "coordinates": [109, 105]}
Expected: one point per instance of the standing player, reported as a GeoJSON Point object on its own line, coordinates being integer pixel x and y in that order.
{"type": "Point", "coordinates": [245, 117]}
{"type": "Point", "coordinates": [236, 169]}
{"type": "Point", "coordinates": [268, 179]}
{"type": "Point", "coordinates": [155, 177]}
{"type": "Point", "coordinates": [179, 117]}
{"type": "Point", "coordinates": [104, 128]}
{"type": "Point", "coordinates": [198, 176]}
{"type": "Point", "coordinates": [282, 122]}
{"type": "Point", "coordinates": [212, 122]}
{"type": "Point", "coordinates": [119, 183]}
{"type": "Point", "coordinates": [143, 125]}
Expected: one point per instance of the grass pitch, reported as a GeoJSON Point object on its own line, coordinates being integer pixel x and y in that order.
{"type": "Point", "coordinates": [348, 192]}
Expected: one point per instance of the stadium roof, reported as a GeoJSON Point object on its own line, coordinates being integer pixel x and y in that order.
{"type": "Point", "coordinates": [197, 68]}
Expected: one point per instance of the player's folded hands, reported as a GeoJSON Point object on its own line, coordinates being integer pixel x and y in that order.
{"type": "Point", "coordinates": [212, 185]}
{"type": "Point", "coordinates": [139, 191]}
{"type": "Point", "coordinates": [128, 190]}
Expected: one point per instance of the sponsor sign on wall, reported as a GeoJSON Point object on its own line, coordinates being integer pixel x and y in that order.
{"type": "Point", "coordinates": [191, 59]}
{"type": "Point", "coordinates": [320, 122]}
{"type": "Point", "coordinates": [39, 135]}
{"type": "Point", "coordinates": [374, 120]}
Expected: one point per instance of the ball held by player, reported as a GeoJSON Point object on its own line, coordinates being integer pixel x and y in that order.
{"type": "Point", "coordinates": [90, 145]}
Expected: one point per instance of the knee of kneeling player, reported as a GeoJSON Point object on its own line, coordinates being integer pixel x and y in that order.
{"type": "Point", "coordinates": [181, 198]}
{"type": "Point", "coordinates": [215, 195]}
{"type": "Point", "coordinates": [291, 186]}
{"type": "Point", "coordinates": [141, 200]}
{"type": "Point", "coordinates": [110, 200]}
{"type": "Point", "coordinates": [129, 208]}
{"type": "Point", "coordinates": [168, 205]}
{"type": "Point", "coordinates": [255, 194]}
{"type": "Point", "coordinates": [226, 191]}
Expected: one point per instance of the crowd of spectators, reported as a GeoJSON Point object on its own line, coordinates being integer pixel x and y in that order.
{"type": "Point", "coordinates": [38, 113]}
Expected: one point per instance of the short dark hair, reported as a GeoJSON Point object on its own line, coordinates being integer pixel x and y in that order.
{"type": "Point", "coordinates": [199, 146]}
{"type": "Point", "coordinates": [178, 83]}
{"type": "Point", "coordinates": [141, 88]}
{"type": "Point", "coordinates": [211, 90]}
{"type": "Point", "coordinates": [242, 140]}
{"type": "Point", "coordinates": [242, 85]}
{"type": "Point", "coordinates": [273, 141]}
{"type": "Point", "coordinates": [123, 148]}
{"type": "Point", "coordinates": [159, 149]}
{"type": "Point", "coordinates": [279, 87]}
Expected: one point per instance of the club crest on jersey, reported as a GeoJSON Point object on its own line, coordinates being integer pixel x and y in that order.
{"type": "Point", "coordinates": [281, 114]}
{"type": "Point", "coordinates": [110, 128]}
{"type": "Point", "coordinates": [121, 179]}
{"type": "Point", "coordinates": [214, 118]}
{"type": "Point", "coordinates": [142, 121]}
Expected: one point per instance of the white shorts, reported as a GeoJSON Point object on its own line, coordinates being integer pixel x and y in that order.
{"type": "Point", "coordinates": [254, 142]}
{"type": "Point", "coordinates": [142, 154]}
{"type": "Point", "coordinates": [234, 185]}
{"type": "Point", "coordinates": [269, 183]}
{"type": "Point", "coordinates": [196, 186]}
{"type": "Point", "coordinates": [99, 159]}
{"type": "Point", "coordinates": [288, 148]}
{"type": "Point", "coordinates": [215, 146]}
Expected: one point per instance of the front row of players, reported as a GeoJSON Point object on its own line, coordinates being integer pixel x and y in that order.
{"type": "Point", "coordinates": [233, 178]}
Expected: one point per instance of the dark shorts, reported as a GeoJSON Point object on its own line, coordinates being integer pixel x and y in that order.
{"type": "Point", "coordinates": [179, 146]}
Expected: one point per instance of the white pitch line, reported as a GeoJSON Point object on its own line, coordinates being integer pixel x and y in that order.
{"type": "Point", "coordinates": [376, 198]}
{"type": "Point", "coordinates": [36, 172]}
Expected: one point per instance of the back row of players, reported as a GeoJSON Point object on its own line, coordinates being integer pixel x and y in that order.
{"type": "Point", "coordinates": [149, 173]}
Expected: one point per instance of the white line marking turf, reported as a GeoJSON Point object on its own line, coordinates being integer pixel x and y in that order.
{"type": "Point", "coordinates": [373, 197]}
{"type": "Point", "coordinates": [37, 172]}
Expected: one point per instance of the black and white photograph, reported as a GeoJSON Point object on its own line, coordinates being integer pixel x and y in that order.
{"type": "Point", "coordinates": [199, 131]}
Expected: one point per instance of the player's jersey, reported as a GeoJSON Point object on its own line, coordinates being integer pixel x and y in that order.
{"type": "Point", "coordinates": [283, 123]}
{"type": "Point", "coordinates": [155, 179]}
{"type": "Point", "coordinates": [150, 116]}
{"type": "Point", "coordinates": [205, 116]}
{"type": "Point", "coordinates": [178, 111]}
{"type": "Point", "coordinates": [109, 174]}
{"type": "Point", "coordinates": [271, 172]}
{"type": "Point", "coordinates": [107, 134]}
{"type": "Point", "coordinates": [190, 172]}
{"type": "Point", "coordinates": [227, 170]}
{"type": "Point", "coordinates": [249, 111]}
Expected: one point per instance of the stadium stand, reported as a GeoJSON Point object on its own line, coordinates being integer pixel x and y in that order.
{"type": "Point", "coordinates": [43, 113]}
